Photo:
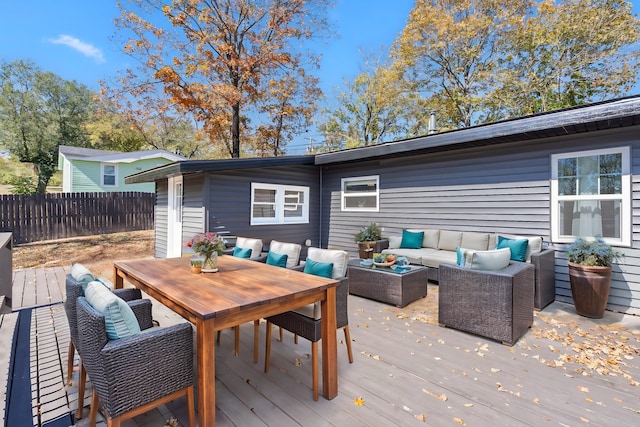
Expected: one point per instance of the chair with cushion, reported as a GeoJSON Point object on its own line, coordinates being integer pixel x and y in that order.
{"type": "Point", "coordinates": [76, 281]}
{"type": "Point", "coordinates": [132, 371]}
{"type": "Point", "coordinates": [305, 321]}
{"type": "Point", "coordinates": [496, 304]}
{"type": "Point", "coordinates": [248, 248]}
{"type": "Point", "coordinates": [284, 254]}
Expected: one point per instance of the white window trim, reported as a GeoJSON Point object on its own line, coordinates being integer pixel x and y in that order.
{"type": "Point", "coordinates": [343, 206]}
{"type": "Point", "coordinates": [115, 168]}
{"type": "Point", "coordinates": [625, 197]}
{"type": "Point", "coordinates": [280, 204]}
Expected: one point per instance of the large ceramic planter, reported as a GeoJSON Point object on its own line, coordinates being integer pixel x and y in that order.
{"type": "Point", "coordinates": [590, 289]}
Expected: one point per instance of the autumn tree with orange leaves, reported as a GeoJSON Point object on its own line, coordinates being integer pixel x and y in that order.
{"type": "Point", "coordinates": [239, 67]}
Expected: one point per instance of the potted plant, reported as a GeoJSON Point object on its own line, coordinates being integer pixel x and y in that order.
{"type": "Point", "coordinates": [369, 240]}
{"type": "Point", "coordinates": [196, 265]}
{"type": "Point", "coordinates": [590, 275]}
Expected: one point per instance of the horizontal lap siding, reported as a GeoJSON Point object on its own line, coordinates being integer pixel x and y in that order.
{"type": "Point", "coordinates": [486, 190]}
{"type": "Point", "coordinates": [229, 196]}
{"type": "Point", "coordinates": [161, 217]}
{"type": "Point", "coordinates": [193, 210]}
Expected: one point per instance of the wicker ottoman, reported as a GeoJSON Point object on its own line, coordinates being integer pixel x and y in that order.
{"type": "Point", "coordinates": [385, 285]}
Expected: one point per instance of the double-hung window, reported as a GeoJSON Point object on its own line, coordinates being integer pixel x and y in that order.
{"type": "Point", "coordinates": [279, 204]}
{"type": "Point", "coordinates": [109, 174]}
{"type": "Point", "coordinates": [361, 193]}
{"type": "Point", "coordinates": [591, 195]}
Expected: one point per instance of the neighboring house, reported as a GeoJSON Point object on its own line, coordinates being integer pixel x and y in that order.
{"type": "Point", "coordinates": [89, 170]}
{"type": "Point", "coordinates": [558, 175]}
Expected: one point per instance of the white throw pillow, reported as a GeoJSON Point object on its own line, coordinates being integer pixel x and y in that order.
{"type": "Point", "coordinates": [493, 260]}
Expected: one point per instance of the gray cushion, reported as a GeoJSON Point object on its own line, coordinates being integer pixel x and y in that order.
{"type": "Point", "coordinates": [435, 257]}
{"type": "Point", "coordinates": [394, 242]}
{"type": "Point", "coordinates": [450, 240]}
{"type": "Point", "coordinates": [477, 241]}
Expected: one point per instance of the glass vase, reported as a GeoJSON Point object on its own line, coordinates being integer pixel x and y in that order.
{"type": "Point", "coordinates": [210, 263]}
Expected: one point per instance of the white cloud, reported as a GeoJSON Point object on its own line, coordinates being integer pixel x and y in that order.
{"type": "Point", "coordinates": [84, 48]}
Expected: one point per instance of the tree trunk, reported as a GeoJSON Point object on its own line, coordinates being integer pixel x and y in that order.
{"type": "Point", "coordinates": [235, 132]}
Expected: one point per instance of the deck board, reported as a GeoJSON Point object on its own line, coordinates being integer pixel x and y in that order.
{"type": "Point", "coordinates": [407, 369]}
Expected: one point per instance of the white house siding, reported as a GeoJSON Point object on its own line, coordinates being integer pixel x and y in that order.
{"type": "Point", "coordinates": [488, 189]}
{"type": "Point", "coordinates": [161, 218]}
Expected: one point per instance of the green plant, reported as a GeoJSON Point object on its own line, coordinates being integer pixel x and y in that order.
{"type": "Point", "coordinates": [595, 253]}
{"type": "Point", "coordinates": [23, 185]}
{"type": "Point", "coordinates": [196, 262]}
{"type": "Point", "coordinates": [370, 233]}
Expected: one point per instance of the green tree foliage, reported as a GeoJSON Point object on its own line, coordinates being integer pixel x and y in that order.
{"type": "Point", "coordinates": [217, 60]}
{"type": "Point", "coordinates": [479, 61]}
{"type": "Point", "coordinates": [370, 111]}
{"type": "Point", "coordinates": [38, 112]}
{"type": "Point", "coordinates": [567, 54]}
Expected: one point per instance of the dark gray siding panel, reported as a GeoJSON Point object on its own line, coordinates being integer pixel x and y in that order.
{"type": "Point", "coordinates": [504, 189]}
{"type": "Point", "coordinates": [162, 203]}
{"type": "Point", "coordinates": [230, 203]}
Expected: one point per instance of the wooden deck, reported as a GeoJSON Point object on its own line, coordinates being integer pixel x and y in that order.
{"type": "Point", "coordinates": [567, 370]}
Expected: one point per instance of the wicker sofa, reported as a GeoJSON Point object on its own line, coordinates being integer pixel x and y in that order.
{"type": "Point", "coordinates": [439, 247]}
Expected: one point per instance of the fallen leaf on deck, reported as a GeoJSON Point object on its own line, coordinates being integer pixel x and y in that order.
{"type": "Point", "coordinates": [421, 417]}
{"type": "Point", "coordinates": [494, 370]}
{"type": "Point", "coordinates": [442, 397]}
{"type": "Point", "coordinates": [460, 421]}
{"type": "Point", "coordinates": [583, 389]}
{"type": "Point", "coordinates": [359, 401]}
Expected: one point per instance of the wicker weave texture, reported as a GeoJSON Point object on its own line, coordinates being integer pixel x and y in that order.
{"type": "Point", "coordinates": [73, 290]}
{"type": "Point", "coordinates": [309, 328]}
{"type": "Point", "coordinates": [388, 287]}
{"type": "Point", "coordinates": [134, 371]}
{"type": "Point", "coordinates": [493, 304]}
{"type": "Point", "coordinates": [545, 276]}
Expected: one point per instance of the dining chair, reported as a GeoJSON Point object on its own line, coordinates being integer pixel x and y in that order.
{"type": "Point", "coordinates": [306, 321]}
{"type": "Point", "coordinates": [138, 372]}
{"type": "Point", "coordinates": [252, 249]}
{"type": "Point", "coordinates": [75, 288]}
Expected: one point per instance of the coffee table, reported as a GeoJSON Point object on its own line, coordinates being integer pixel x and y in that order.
{"type": "Point", "coordinates": [385, 285]}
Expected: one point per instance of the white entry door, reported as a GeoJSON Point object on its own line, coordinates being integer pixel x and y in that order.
{"type": "Point", "coordinates": [174, 220]}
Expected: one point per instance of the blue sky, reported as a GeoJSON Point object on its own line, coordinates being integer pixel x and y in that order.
{"type": "Point", "coordinates": [72, 38]}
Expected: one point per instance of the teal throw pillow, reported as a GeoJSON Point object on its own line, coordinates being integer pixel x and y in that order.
{"type": "Point", "coordinates": [518, 247]}
{"type": "Point", "coordinates": [322, 269]}
{"type": "Point", "coordinates": [242, 253]}
{"type": "Point", "coordinates": [411, 239]}
{"type": "Point", "coordinates": [279, 260]}
{"type": "Point", "coordinates": [119, 319]}
{"type": "Point", "coordinates": [460, 252]}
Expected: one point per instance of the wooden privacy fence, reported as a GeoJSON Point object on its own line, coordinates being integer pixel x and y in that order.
{"type": "Point", "coordinates": [35, 217]}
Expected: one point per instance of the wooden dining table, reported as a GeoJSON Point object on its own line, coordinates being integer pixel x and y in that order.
{"type": "Point", "coordinates": [241, 291]}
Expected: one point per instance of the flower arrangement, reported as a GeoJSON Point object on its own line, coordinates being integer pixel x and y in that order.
{"type": "Point", "coordinates": [594, 253]}
{"type": "Point", "coordinates": [206, 244]}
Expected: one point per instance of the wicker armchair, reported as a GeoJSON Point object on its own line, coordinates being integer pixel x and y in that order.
{"type": "Point", "coordinates": [493, 304]}
{"type": "Point", "coordinates": [135, 374]}
{"type": "Point", "coordinates": [306, 321]}
{"type": "Point", "coordinates": [140, 307]}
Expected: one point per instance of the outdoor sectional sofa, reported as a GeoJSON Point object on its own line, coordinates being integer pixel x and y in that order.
{"type": "Point", "coordinates": [439, 247]}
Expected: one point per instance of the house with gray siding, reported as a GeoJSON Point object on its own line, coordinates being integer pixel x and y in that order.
{"type": "Point", "coordinates": [559, 175]}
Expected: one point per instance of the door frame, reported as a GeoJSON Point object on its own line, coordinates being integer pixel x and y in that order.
{"type": "Point", "coordinates": [174, 216]}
